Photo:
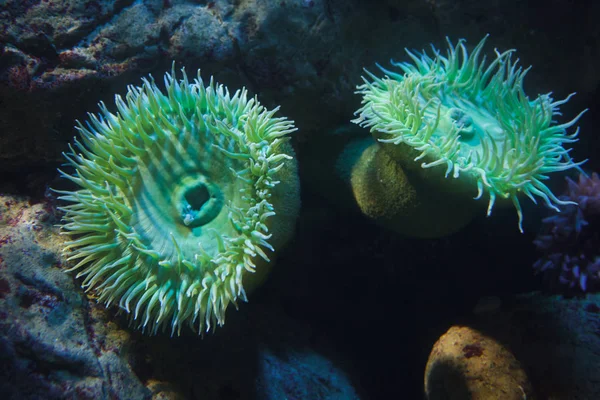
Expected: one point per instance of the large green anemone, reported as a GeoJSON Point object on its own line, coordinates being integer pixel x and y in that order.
{"type": "Point", "coordinates": [183, 196]}
{"type": "Point", "coordinates": [471, 118]}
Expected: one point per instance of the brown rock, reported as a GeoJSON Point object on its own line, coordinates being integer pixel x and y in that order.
{"type": "Point", "coordinates": [467, 364]}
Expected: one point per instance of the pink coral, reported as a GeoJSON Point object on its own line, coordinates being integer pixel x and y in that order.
{"type": "Point", "coordinates": [570, 240]}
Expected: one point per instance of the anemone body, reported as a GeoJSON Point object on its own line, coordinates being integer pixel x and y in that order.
{"type": "Point", "coordinates": [183, 195]}
{"type": "Point", "coordinates": [397, 198]}
{"type": "Point", "coordinates": [470, 120]}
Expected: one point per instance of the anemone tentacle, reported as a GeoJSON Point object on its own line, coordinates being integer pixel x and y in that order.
{"type": "Point", "coordinates": [473, 117]}
{"type": "Point", "coordinates": [174, 200]}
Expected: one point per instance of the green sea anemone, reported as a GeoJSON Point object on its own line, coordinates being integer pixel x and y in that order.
{"type": "Point", "coordinates": [470, 119]}
{"type": "Point", "coordinates": [182, 198]}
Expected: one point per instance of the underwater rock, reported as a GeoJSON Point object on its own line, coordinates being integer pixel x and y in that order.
{"type": "Point", "coordinates": [53, 343]}
{"type": "Point", "coordinates": [558, 340]}
{"type": "Point", "coordinates": [549, 346]}
{"type": "Point", "coordinates": [56, 343]}
{"type": "Point", "coordinates": [302, 375]}
{"type": "Point", "coordinates": [58, 57]}
{"type": "Point", "coordinates": [260, 354]}
{"type": "Point", "coordinates": [468, 364]}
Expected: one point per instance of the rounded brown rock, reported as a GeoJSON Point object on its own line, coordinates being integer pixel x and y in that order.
{"type": "Point", "coordinates": [466, 364]}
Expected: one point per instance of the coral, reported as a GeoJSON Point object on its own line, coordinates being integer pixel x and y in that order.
{"type": "Point", "coordinates": [469, 120]}
{"type": "Point", "coordinates": [570, 240]}
{"type": "Point", "coordinates": [182, 197]}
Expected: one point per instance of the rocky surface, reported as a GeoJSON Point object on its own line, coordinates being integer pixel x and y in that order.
{"type": "Point", "coordinates": [558, 340]}
{"type": "Point", "coordinates": [59, 58]}
{"type": "Point", "coordinates": [534, 347]}
{"type": "Point", "coordinates": [55, 343]}
{"type": "Point", "coordinates": [467, 364]}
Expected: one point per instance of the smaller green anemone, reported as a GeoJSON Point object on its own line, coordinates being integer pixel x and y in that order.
{"type": "Point", "coordinates": [471, 118]}
{"type": "Point", "coordinates": [183, 196]}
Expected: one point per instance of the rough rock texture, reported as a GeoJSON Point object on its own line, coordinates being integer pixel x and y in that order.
{"type": "Point", "coordinates": [467, 364]}
{"type": "Point", "coordinates": [59, 58]}
{"type": "Point", "coordinates": [536, 347]}
{"type": "Point", "coordinates": [258, 355]}
{"type": "Point", "coordinates": [299, 375]}
{"type": "Point", "coordinates": [558, 340]}
{"type": "Point", "coordinates": [55, 343]}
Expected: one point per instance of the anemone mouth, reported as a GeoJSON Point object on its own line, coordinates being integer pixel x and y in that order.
{"type": "Point", "coordinates": [199, 201]}
{"type": "Point", "coordinates": [472, 117]}
{"type": "Point", "coordinates": [175, 194]}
